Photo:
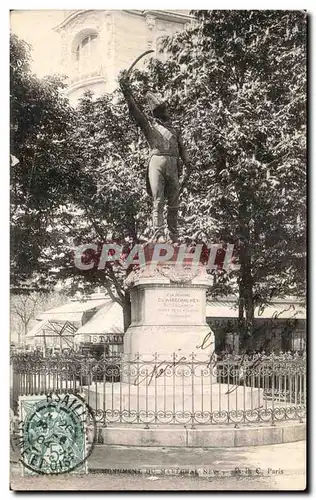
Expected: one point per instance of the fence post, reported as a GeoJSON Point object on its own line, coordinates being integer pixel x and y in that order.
{"type": "Point", "coordinates": [192, 392]}
{"type": "Point", "coordinates": [16, 387]}
{"type": "Point", "coordinates": [273, 391]}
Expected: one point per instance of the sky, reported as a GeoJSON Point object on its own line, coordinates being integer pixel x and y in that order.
{"type": "Point", "coordinates": [36, 28]}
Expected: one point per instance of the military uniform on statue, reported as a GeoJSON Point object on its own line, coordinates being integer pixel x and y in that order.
{"type": "Point", "coordinates": [165, 290]}
{"type": "Point", "coordinates": [162, 179]}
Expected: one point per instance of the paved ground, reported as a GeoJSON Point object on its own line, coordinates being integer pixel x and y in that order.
{"type": "Point", "coordinates": [276, 467]}
{"type": "Point", "coordinates": [120, 482]}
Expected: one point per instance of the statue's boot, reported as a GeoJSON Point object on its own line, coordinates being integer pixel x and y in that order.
{"type": "Point", "coordinates": [158, 224]}
{"type": "Point", "coordinates": [172, 221]}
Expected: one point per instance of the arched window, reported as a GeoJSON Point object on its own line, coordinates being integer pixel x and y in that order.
{"type": "Point", "coordinates": [85, 48]}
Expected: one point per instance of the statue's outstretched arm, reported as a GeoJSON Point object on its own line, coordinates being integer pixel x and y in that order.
{"type": "Point", "coordinates": [135, 110]}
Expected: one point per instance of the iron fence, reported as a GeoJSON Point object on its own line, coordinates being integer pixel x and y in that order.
{"type": "Point", "coordinates": [174, 389]}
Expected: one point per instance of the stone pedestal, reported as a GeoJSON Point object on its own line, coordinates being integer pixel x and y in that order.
{"type": "Point", "coordinates": [168, 310]}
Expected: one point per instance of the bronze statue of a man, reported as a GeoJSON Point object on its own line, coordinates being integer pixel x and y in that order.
{"type": "Point", "coordinates": [162, 179]}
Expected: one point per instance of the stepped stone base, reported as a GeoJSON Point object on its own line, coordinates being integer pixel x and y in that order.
{"type": "Point", "coordinates": [206, 436]}
{"type": "Point", "coordinates": [159, 400]}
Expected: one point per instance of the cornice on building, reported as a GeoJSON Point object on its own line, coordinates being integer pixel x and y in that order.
{"type": "Point", "coordinates": [165, 15]}
{"type": "Point", "coordinates": [70, 18]}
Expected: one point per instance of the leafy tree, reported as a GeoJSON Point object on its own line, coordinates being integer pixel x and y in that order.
{"type": "Point", "coordinates": [40, 125]}
{"type": "Point", "coordinates": [235, 82]}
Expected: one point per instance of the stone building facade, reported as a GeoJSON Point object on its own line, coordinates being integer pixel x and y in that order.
{"type": "Point", "coordinates": [97, 44]}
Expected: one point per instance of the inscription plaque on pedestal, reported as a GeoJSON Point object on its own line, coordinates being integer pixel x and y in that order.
{"type": "Point", "coordinates": [167, 315]}
{"type": "Point", "coordinates": [177, 306]}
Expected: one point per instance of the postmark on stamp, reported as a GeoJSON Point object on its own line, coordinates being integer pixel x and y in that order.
{"type": "Point", "coordinates": [54, 434]}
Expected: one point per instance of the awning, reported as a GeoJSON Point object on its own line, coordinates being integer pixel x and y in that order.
{"type": "Point", "coordinates": [279, 309]}
{"type": "Point", "coordinates": [221, 309]}
{"type": "Point", "coordinates": [109, 319]}
{"type": "Point", "coordinates": [48, 328]}
{"type": "Point", "coordinates": [73, 311]}
{"type": "Point", "coordinates": [37, 328]}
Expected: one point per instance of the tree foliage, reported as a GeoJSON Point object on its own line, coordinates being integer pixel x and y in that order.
{"type": "Point", "coordinates": [235, 82]}
{"type": "Point", "coordinates": [40, 122]}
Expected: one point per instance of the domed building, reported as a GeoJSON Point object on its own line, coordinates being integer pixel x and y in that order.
{"type": "Point", "coordinates": [97, 44]}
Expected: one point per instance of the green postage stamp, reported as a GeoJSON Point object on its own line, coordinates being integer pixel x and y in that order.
{"type": "Point", "coordinates": [53, 434]}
